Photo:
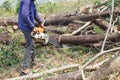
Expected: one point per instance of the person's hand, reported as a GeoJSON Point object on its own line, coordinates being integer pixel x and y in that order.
{"type": "Point", "coordinates": [35, 29]}
{"type": "Point", "coordinates": [42, 25]}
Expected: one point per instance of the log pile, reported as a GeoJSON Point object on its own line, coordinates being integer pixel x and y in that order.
{"type": "Point", "coordinates": [85, 35]}
{"type": "Point", "coordinates": [95, 18]}
{"type": "Point", "coordinates": [86, 22]}
{"type": "Point", "coordinates": [61, 20]}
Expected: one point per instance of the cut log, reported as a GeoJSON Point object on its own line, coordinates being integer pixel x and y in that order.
{"type": "Point", "coordinates": [8, 21]}
{"type": "Point", "coordinates": [67, 20]}
{"type": "Point", "coordinates": [104, 25]}
{"type": "Point", "coordinates": [83, 39]}
{"type": "Point", "coordinates": [62, 20]}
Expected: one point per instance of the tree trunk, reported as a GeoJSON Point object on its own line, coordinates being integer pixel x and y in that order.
{"type": "Point", "coordinates": [67, 20]}
{"type": "Point", "coordinates": [102, 24]}
{"type": "Point", "coordinates": [8, 21]}
{"type": "Point", "coordinates": [84, 39]}
{"type": "Point", "coordinates": [62, 20]}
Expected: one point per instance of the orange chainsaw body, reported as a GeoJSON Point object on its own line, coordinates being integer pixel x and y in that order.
{"type": "Point", "coordinates": [40, 29]}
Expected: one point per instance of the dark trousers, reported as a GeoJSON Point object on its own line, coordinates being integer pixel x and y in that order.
{"type": "Point", "coordinates": [29, 55]}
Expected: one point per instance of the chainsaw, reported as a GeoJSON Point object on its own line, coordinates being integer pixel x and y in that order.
{"type": "Point", "coordinates": [40, 34]}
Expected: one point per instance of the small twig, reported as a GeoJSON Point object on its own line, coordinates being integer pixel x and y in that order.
{"type": "Point", "coordinates": [92, 67]}
{"type": "Point", "coordinates": [96, 66]}
{"type": "Point", "coordinates": [83, 75]}
{"type": "Point", "coordinates": [113, 24]}
{"type": "Point", "coordinates": [104, 9]}
{"type": "Point", "coordinates": [76, 31]}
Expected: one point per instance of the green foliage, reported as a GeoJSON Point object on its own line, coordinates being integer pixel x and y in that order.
{"type": "Point", "coordinates": [98, 30]}
{"type": "Point", "coordinates": [7, 5]}
{"type": "Point", "coordinates": [17, 6]}
{"type": "Point", "coordinates": [119, 20]}
{"type": "Point", "coordinates": [47, 7]}
{"type": "Point", "coordinates": [57, 54]}
{"type": "Point", "coordinates": [97, 2]}
{"type": "Point", "coordinates": [9, 54]}
{"type": "Point", "coordinates": [57, 7]}
{"type": "Point", "coordinates": [76, 51]}
{"type": "Point", "coordinates": [109, 3]}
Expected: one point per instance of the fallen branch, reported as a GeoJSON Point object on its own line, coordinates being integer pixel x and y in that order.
{"type": "Point", "coordinates": [112, 66]}
{"type": "Point", "coordinates": [36, 75]}
{"type": "Point", "coordinates": [62, 20]}
{"type": "Point", "coordinates": [96, 66]}
{"type": "Point", "coordinates": [78, 75]}
{"type": "Point", "coordinates": [77, 66]}
{"type": "Point", "coordinates": [109, 27]}
{"type": "Point", "coordinates": [72, 75]}
{"type": "Point", "coordinates": [67, 20]}
{"type": "Point", "coordinates": [84, 39]}
{"type": "Point", "coordinates": [78, 30]}
{"type": "Point", "coordinates": [101, 23]}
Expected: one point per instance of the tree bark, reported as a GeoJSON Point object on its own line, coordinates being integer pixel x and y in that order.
{"type": "Point", "coordinates": [102, 24]}
{"type": "Point", "coordinates": [8, 21]}
{"type": "Point", "coordinates": [62, 20]}
{"type": "Point", "coordinates": [67, 20]}
{"type": "Point", "coordinates": [84, 39]}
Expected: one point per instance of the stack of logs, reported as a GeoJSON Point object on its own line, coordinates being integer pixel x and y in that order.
{"type": "Point", "coordinates": [90, 16]}
{"type": "Point", "coordinates": [87, 20]}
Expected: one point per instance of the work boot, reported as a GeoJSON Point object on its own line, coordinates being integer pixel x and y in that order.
{"type": "Point", "coordinates": [35, 65]}
{"type": "Point", "coordinates": [26, 71]}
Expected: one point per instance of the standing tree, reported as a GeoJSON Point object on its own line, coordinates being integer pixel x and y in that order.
{"type": "Point", "coordinates": [7, 5]}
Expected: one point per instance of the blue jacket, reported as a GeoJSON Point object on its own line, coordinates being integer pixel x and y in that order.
{"type": "Point", "coordinates": [27, 14]}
